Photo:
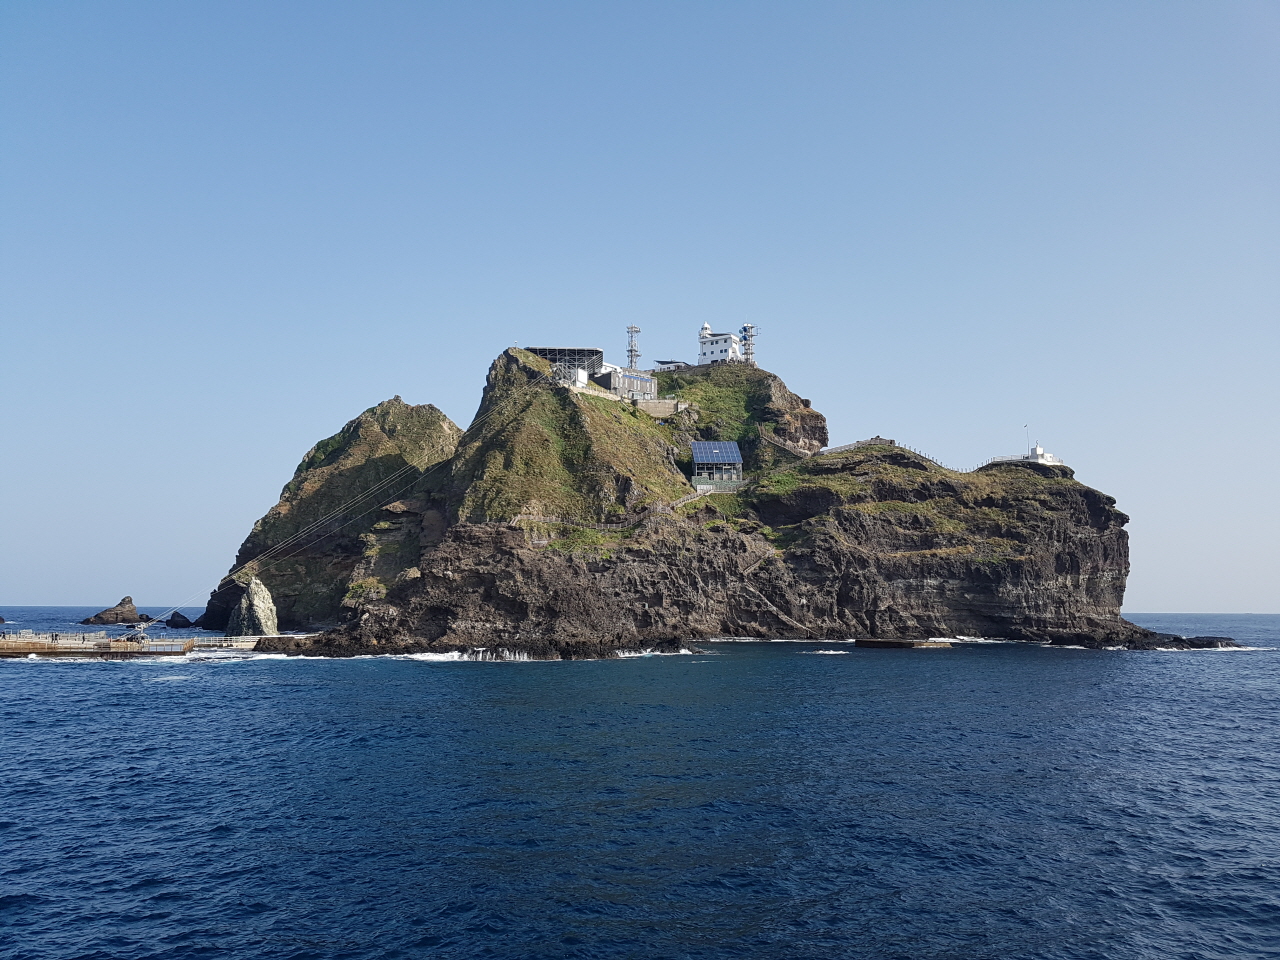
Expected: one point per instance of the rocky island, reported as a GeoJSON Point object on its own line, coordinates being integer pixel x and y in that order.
{"type": "Point", "coordinates": [563, 524]}
{"type": "Point", "coordinates": [123, 612]}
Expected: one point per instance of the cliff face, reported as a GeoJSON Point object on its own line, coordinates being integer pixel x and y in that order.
{"type": "Point", "coordinates": [559, 532]}
{"type": "Point", "coordinates": [881, 543]}
{"type": "Point", "coordinates": [318, 570]}
{"type": "Point", "coordinates": [255, 614]}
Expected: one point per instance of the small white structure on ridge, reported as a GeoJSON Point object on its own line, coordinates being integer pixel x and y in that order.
{"type": "Point", "coordinates": [1038, 455]}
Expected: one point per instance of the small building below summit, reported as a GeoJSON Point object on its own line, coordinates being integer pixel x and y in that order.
{"type": "Point", "coordinates": [717, 465]}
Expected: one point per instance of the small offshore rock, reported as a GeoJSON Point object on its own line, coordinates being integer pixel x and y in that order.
{"type": "Point", "coordinates": [178, 621]}
{"type": "Point", "coordinates": [255, 614]}
{"type": "Point", "coordinates": [122, 612]}
{"type": "Point", "coordinates": [1209, 643]}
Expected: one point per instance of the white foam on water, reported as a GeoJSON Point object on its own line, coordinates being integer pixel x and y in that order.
{"type": "Point", "coordinates": [1239, 649]}
{"type": "Point", "coordinates": [828, 652]}
{"type": "Point", "coordinates": [166, 679]}
{"type": "Point", "coordinates": [633, 654]}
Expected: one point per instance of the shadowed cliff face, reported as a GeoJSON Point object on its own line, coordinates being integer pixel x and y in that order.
{"type": "Point", "coordinates": [482, 550]}
{"type": "Point", "coordinates": [318, 571]}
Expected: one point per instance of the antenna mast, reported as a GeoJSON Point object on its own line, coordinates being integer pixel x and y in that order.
{"type": "Point", "coordinates": [633, 347]}
{"type": "Point", "coordinates": [749, 343]}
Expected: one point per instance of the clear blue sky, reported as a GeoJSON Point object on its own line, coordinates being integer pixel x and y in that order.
{"type": "Point", "coordinates": [227, 228]}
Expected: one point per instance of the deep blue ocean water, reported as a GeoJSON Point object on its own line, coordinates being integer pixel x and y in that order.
{"type": "Point", "coordinates": [753, 800]}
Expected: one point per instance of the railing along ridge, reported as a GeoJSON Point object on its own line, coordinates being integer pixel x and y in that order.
{"type": "Point", "coordinates": [787, 445]}
{"type": "Point", "coordinates": [858, 444]}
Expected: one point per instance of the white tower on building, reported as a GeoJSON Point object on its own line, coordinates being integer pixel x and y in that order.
{"type": "Point", "coordinates": [718, 347]}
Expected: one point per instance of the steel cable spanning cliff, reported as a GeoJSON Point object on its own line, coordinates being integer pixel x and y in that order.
{"type": "Point", "coordinates": [550, 528]}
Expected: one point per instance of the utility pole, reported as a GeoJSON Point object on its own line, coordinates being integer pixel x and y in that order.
{"type": "Point", "coordinates": [633, 347]}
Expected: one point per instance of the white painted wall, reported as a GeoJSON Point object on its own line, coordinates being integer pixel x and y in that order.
{"type": "Point", "coordinates": [714, 347]}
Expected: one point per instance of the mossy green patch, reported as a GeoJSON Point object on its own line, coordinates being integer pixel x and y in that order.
{"type": "Point", "coordinates": [365, 591]}
{"type": "Point", "coordinates": [728, 505]}
{"type": "Point", "coordinates": [598, 543]}
{"type": "Point", "coordinates": [986, 513]}
{"type": "Point", "coordinates": [731, 398]}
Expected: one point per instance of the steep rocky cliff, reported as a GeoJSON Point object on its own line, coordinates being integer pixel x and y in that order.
{"type": "Point", "coordinates": [317, 566]}
{"type": "Point", "coordinates": [560, 531]}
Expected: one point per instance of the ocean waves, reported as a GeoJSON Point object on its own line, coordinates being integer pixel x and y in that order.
{"type": "Point", "coordinates": [769, 800]}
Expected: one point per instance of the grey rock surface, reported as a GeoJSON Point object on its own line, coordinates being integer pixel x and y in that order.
{"type": "Point", "coordinates": [255, 614]}
{"type": "Point", "coordinates": [122, 612]}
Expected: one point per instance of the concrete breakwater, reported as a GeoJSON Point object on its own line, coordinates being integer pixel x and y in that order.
{"type": "Point", "coordinates": [28, 643]}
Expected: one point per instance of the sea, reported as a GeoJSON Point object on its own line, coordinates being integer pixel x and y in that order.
{"type": "Point", "coordinates": [742, 799]}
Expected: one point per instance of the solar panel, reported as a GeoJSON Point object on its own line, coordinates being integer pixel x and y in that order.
{"type": "Point", "coordinates": [716, 451]}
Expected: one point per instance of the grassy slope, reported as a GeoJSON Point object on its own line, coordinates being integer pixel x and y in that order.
{"type": "Point", "coordinates": [988, 515]}
{"type": "Point", "coordinates": [731, 398]}
{"type": "Point", "coordinates": [378, 443]}
{"type": "Point", "coordinates": [541, 449]}
{"type": "Point", "coordinates": [741, 403]}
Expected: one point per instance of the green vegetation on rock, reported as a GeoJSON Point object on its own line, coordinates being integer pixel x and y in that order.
{"type": "Point", "coordinates": [747, 405]}
{"type": "Point", "coordinates": [991, 514]}
{"type": "Point", "coordinates": [383, 453]}
{"type": "Point", "coordinates": [544, 450]}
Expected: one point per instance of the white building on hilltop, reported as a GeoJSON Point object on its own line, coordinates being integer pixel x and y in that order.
{"type": "Point", "coordinates": [1039, 455]}
{"type": "Point", "coordinates": [718, 347]}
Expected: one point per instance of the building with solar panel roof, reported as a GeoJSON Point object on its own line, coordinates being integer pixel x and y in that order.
{"type": "Point", "coordinates": [716, 464]}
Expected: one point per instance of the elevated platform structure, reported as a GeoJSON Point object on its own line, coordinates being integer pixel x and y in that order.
{"type": "Point", "coordinates": [589, 359]}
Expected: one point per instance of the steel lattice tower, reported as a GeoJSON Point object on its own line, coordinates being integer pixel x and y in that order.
{"type": "Point", "coordinates": [633, 346]}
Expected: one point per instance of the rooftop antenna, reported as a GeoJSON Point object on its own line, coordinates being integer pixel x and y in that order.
{"type": "Point", "coordinates": [749, 331]}
{"type": "Point", "coordinates": [1028, 429]}
{"type": "Point", "coordinates": [633, 347]}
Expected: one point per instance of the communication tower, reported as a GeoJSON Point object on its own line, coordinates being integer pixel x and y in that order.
{"type": "Point", "coordinates": [748, 334]}
{"type": "Point", "coordinates": [633, 346]}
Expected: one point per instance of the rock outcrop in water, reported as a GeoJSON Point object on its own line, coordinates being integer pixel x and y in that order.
{"type": "Point", "coordinates": [178, 621]}
{"type": "Point", "coordinates": [122, 612]}
{"type": "Point", "coordinates": [255, 614]}
{"type": "Point", "coordinates": [561, 525]}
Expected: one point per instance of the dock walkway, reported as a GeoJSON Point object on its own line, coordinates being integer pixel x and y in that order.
{"type": "Point", "coordinates": [28, 643]}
